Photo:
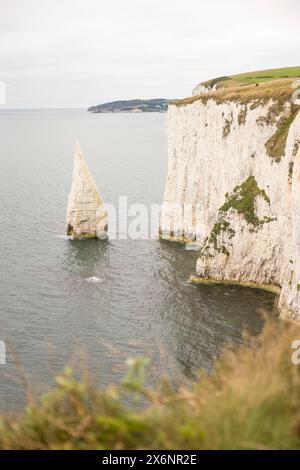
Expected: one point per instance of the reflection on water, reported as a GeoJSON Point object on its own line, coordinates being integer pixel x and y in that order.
{"type": "Point", "coordinates": [110, 299]}
{"type": "Point", "coordinates": [199, 319]}
{"type": "Point", "coordinates": [81, 257]}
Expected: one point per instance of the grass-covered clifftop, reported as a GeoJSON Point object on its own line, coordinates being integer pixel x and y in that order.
{"type": "Point", "coordinates": [251, 401]}
{"type": "Point", "coordinates": [277, 90]}
{"type": "Point", "coordinates": [254, 89]}
{"type": "Point", "coordinates": [248, 78]}
{"type": "Point", "coordinates": [259, 87]}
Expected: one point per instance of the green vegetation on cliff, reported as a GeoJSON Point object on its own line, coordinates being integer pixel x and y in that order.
{"type": "Point", "coordinates": [278, 90]}
{"type": "Point", "coordinates": [243, 199]}
{"type": "Point", "coordinates": [275, 146]}
{"type": "Point", "coordinates": [273, 87]}
{"type": "Point", "coordinates": [248, 78]}
{"type": "Point", "coordinates": [253, 87]}
{"type": "Point", "coordinates": [156, 105]}
{"type": "Point", "coordinates": [250, 401]}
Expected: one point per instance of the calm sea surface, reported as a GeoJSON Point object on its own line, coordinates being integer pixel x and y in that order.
{"type": "Point", "coordinates": [51, 314]}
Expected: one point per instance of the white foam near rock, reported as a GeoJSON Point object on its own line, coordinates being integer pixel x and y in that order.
{"type": "Point", "coordinates": [93, 279]}
{"type": "Point", "coordinates": [86, 216]}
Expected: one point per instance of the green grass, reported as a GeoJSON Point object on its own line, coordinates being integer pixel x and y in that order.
{"type": "Point", "coordinates": [256, 87]}
{"type": "Point", "coordinates": [251, 401]}
{"type": "Point", "coordinates": [267, 75]}
{"type": "Point", "coordinates": [279, 91]}
{"type": "Point", "coordinates": [258, 76]}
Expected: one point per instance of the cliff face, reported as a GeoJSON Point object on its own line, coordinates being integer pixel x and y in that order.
{"type": "Point", "coordinates": [86, 217]}
{"type": "Point", "coordinates": [233, 189]}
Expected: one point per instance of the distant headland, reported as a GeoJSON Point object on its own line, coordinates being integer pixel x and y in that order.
{"type": "Point", "coordinates": [157, 105]}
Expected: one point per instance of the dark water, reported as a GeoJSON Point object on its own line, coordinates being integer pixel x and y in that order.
{"type": "Point", "coordinates": [143, 304]}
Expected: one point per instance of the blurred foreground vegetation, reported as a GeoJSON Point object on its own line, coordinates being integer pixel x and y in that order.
{"type": "Point", "coordinates": [251, 401]}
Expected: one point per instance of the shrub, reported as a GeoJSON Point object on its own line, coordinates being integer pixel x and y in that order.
{"type": "Point", "coordinates": [251, 401]}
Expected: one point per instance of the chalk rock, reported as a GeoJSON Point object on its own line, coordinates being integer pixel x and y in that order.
{"type": "Point", "coordinates": [86, 217]}
{"type": "Point", "coordinates": [229, 192]}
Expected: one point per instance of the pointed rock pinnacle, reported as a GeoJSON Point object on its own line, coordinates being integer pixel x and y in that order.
{"type": "Point", "coordinates": [86, 217]}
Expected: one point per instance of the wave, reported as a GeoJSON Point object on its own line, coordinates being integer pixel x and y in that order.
{"type": "Point", "coordinates": [93, 279]}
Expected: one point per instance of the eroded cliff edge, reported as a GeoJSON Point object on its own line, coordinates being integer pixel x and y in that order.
{"type": "Point", "coordinates": [233, 187]}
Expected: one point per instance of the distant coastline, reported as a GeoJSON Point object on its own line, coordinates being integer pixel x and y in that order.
{"type": "Point", "coordinates": [157, 105]}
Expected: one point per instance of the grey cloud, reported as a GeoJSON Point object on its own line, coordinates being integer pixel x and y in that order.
{"type": "Point", "coordinates": [81, 52]}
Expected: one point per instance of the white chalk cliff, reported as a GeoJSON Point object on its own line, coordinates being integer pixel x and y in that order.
{"type": "Point", "coordinates": [86, 217]}
{"type": "Point", "coordinates": [233, 189]}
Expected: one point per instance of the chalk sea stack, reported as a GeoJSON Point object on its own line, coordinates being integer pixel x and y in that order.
{"type": "Point", "coordinates": [86, 216]}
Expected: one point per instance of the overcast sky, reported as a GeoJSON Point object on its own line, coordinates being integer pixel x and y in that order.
{"type": "Point", "coordinates": [76, 53]}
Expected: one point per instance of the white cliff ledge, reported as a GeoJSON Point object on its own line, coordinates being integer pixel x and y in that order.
{"type": "Point", "coordinates": [86, 217]}
{"type": "Point", "coordinates": [233, 187]}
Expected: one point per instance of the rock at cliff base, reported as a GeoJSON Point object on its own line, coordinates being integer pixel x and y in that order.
{"type": "Point", "coordinates": [86, 216]}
